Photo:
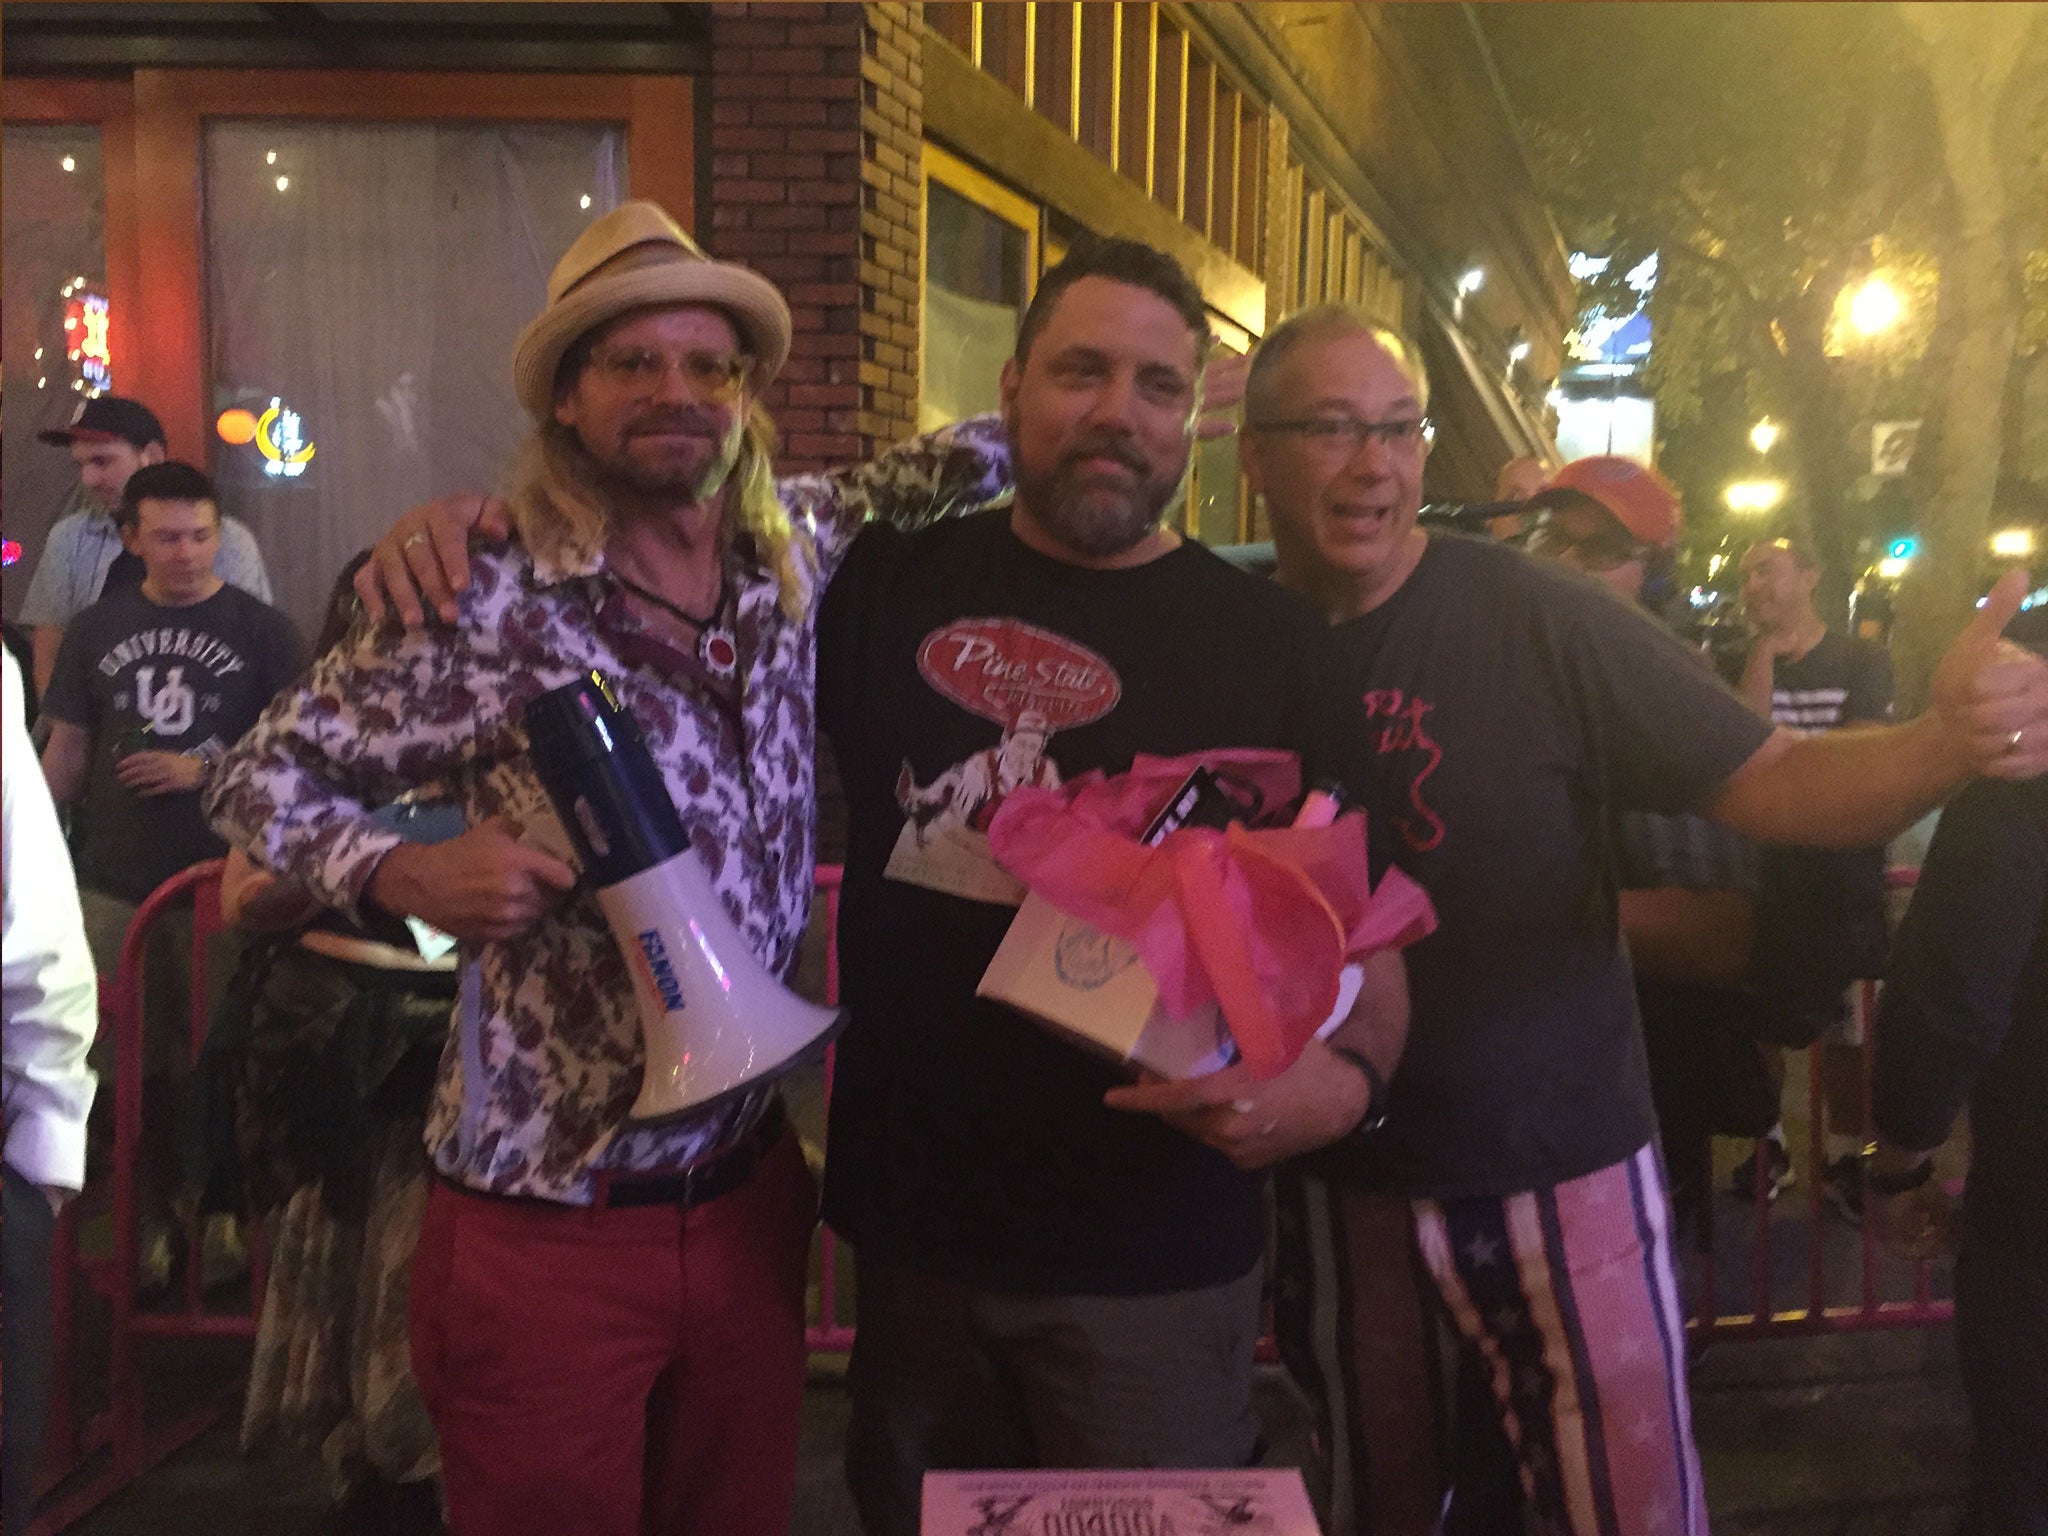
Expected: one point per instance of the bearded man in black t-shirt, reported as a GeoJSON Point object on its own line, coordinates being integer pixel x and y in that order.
{"type": "Point", "coordinates": [1509, 708]}
{"type": "Point", "coordinates": [1045, 1280]}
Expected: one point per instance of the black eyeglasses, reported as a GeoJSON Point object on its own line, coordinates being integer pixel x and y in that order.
{"type": "Point", "coordinates": [1601, 550]}
{"type": "Point", "coordinates": [1345, 435]}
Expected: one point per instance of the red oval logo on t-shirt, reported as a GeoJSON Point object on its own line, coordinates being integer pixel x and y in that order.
{"type": "Point", "coordinates": [1002, 669]}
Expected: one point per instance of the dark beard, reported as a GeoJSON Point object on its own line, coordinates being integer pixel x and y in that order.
{"type": "Point", "coordinates": [1097, 521]}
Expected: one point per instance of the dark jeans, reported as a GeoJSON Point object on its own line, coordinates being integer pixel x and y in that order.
{"type": "Point", "coordinates": [2002, 1336]}
{"type": "Point", "coordinates": [26, 1225]}
{"type": "Point", "coordinates": [947, 1375]}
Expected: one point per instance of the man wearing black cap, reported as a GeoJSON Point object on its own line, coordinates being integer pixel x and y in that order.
{"type": "Point", "coordinates": [110, 438]}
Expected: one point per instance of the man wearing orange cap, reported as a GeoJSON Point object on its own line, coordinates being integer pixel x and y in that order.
{"type": "Point", "coordinates": [1614, 519]}
{"type": "Point", "coordinates": [607, 1318]}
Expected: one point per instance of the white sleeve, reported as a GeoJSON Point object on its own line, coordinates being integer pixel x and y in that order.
{"type": "Point", "coordinates": [50, 1006]}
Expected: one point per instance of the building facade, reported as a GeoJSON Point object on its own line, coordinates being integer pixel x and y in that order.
{"type": "Point", "coordinates": [310, 232]}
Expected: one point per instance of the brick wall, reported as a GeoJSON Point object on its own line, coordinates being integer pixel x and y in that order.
{"type": "Point", "coordinates": [816, 120]}
{"type": "Point", "coordinates": [816, 113]}
{"type": "Point", "coordinates": [784, 196]}
{"type": "Point", "coordinates": [891, 219]}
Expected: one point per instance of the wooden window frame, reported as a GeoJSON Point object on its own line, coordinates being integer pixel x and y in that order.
{"type": "Point", "coordinates": [152, 142]}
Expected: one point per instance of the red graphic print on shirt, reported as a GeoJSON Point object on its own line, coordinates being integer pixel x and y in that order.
{"type": "Point", "coordinates": [1001, 668]}
{"type": "Point", "coordinates": [1401, 730]}
{"type": "Point", "coordinates": [1032, 683]}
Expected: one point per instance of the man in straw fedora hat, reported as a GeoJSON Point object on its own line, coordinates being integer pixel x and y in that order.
{"type": "Point", "coordinates": [607, 1318]}
{"type": "Point", "coordinates": [1034, 1257]}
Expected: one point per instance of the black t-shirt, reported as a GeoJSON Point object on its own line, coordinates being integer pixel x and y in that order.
{"type": "Point", "coordinates": [141, 676]}
{"type": "Point", "coordinates": [1511, 708]}
{"type": "Point", "coordinates": [955, 664]}
{"type": "Point", "coordinates": [1841, 681]}
{"type": "Point", "coordinates": [1821, 915]}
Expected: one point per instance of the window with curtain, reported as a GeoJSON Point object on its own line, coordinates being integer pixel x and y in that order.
{"type": "Point", "coordinates": [365, 285]}
{"type": "Point", "coordinates": [51, 235]}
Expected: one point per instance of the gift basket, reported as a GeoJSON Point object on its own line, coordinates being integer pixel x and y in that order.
{"type": "Point", "coordinates": [1193, 911]}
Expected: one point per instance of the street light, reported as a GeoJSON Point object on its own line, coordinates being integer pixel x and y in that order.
{"type": "Point", "coordinates": [1473, 280]}
{"type": "Point", "coordinates": [1754, 497]}
{"type": "Point", "coordinates": [1876, 307]}
{"type": "Point", "coordinates": [1764, 435]}
{"type": "Point", "coordinates": [2013, 543]}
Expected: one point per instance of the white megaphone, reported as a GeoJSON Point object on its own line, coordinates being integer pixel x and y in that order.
{"type": "Point", "coordinates": [712, 1019]}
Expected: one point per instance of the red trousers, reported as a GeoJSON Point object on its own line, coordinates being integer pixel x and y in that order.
{"type": "Point", "coordinates": [617, 1372]}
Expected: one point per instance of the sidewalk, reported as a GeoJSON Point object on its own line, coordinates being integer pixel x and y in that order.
{"type": "Point", "coordinates": [1853, 1435]}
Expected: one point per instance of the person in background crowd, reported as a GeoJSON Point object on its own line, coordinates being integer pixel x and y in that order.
{"type": "Point", "coordinates": [49, 1010]}
{"type": "Point", "coordinates": [607, 1320]}
{"type": "Point", "coordinates": [1964, 1015]}
{"type": "Point", "coordinates": [1512, 708]}
{"type": "Point", "coordinates": [152, 683]}
{"type": "Point", "coordinates": [84, 556]}
{"type": "Point", "coordinates": [1809, 678]}
{"type": "Point", "coordinates": [1687, 886]}
{"type": "Point", "coordinates": [1518, 480]}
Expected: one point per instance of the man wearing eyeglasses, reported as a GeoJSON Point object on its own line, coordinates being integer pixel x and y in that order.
{"type": "Point", "coordinates": [1509, 706]}
{"type": "Point", "coordinates": [607, 1319]}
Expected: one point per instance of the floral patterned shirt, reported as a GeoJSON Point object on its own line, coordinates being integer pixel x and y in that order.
{"type": "Point", "coordinates": [546, 1055]}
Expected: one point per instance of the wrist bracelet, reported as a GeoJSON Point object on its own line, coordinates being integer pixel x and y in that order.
{"type": "Point", "coordinates": [1375, 1114]}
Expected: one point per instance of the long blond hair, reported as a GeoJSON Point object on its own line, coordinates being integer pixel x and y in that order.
{"type": "Point", "coordinates": [560, 512]}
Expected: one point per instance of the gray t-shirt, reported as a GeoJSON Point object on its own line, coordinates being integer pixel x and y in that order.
{"type": "Point", "coordinates": [1511, 709]}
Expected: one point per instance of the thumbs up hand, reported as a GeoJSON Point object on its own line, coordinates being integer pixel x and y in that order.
{"type": "Point", "coordinates": [1992, 695]}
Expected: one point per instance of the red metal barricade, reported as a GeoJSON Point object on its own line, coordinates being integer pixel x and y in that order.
{"type": "Point", "coordinates": [1817, 1311]}
{"type": "Point", "coordinates": [828, 1335]}
{"type": "Point", "coordinates": [112, 1446]}
{"type": "Point", "coordinates": [92, 1459]}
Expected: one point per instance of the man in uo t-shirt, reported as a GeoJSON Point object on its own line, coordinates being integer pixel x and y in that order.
{"type": "Point", "coordinates": [153, 682]}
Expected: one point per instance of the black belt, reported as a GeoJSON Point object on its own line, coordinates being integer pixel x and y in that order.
{"type": "Point", "coordinates": [706, 1180]}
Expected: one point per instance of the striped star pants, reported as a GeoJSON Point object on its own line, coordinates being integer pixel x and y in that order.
{"type": "Point", "coordinates": [1563, 1301]}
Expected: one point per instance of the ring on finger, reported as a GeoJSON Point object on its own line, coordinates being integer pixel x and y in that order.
{"type": "Point", "coordinates": [412, 539]}
{"type": "Point", "coordinates": [2012, 742]}
{"type": "Point", "coordinates": [1269, 1127]}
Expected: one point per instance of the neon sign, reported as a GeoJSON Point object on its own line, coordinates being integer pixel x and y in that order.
{"type": "Point", "coordinates": [85, 340]}
{"type": "Point", "coordinates": [280, 438]}
{"type": "Point", "coordinates": [10, 552]}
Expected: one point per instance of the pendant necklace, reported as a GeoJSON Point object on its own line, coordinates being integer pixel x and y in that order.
{"type": "Point", "coordinates": [716, 648]}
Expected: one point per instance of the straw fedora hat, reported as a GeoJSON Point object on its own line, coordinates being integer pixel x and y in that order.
{"type": "Point", "coordinates": [631, 258]}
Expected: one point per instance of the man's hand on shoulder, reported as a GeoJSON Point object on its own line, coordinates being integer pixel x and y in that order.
{"type": "Point", "coordinates": [424, 558]}
{"type": "Point", "coordinates": [161, 773]}
{"type": "Point", "coordinates": [483, 886]}
{"type": "Point", "coordinates": [1991, 696]}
